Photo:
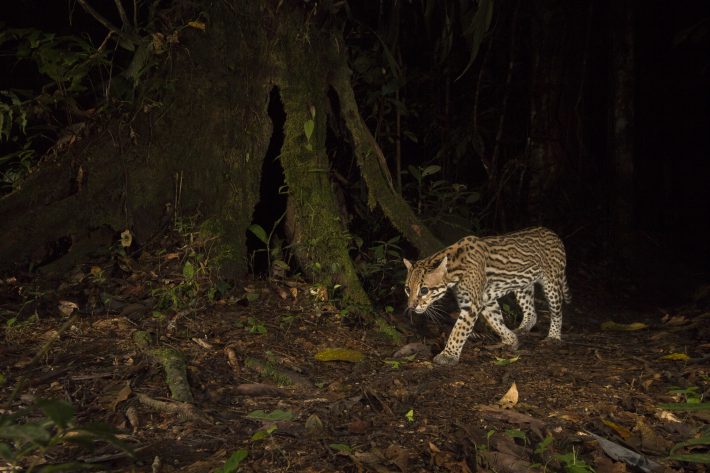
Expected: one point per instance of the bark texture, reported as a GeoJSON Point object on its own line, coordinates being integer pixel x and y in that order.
{"type": "Point", "coordinates": [201, 151]}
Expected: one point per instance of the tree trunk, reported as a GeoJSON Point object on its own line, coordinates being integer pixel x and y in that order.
{"type": "Point", "coordinates": [200, 150]}
{"type": "Point", "coordinates": [622, 134]}
{"type": "Point", "coordinates": [319, 238]}
{"type": "Point", "coordinates": [545, 152]}
{"type": "Point", "coordinates": [203, 149]}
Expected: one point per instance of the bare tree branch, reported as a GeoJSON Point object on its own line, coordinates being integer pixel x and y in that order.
{"type": "Point", "coordinates": [122, 14]}
{"type": "Point", "coordinates": [89, 9]}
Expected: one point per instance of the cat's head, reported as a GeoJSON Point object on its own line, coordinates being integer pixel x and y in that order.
{"type": "Point", "coordinates": [425, 283]}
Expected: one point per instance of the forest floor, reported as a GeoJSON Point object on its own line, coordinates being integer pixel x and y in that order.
{"type": "Point", "coordinates": [265, 400]}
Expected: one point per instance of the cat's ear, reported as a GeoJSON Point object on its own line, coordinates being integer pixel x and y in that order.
{"type": "Point", "coordinates": [407, 263]}
{"type": "Point", "coordinates": [442, 266]}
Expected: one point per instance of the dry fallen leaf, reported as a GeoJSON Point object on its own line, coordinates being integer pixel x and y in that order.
{"type": "Point", "coordinates": [66, 308]}
{"type": "Point", "coordinates": [651, 442]}
{"type": "Point", "coordinates": [232, 359]}
{"type": "Point", "coordinates": [674, 320]}
{"type": "Point", "coordinates": [126, 238]}
{"type": "Point", "coordinates": [198, 25]}
{"type": "Point", "coordinates": [123, 393]}
{"type": "Point", "coordinates": [667, 416]}
{"type": "Point", "coordinates": [510, 399]}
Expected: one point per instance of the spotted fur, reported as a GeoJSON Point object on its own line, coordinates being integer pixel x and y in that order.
{"type": "Point", "coordinates": [480, 271]}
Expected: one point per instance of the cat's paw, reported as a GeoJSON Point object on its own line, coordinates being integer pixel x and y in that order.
{"type": "Point", "coordinates": [446, 360]}
{"type": "Point", "coordinates": [552, 341]}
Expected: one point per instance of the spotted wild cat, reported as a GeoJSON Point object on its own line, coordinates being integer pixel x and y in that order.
{"type": "Point", "coordinates": [482, 270]}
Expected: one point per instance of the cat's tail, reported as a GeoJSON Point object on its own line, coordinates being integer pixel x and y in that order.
{"type": "Point", "coordinates": [565, 290]}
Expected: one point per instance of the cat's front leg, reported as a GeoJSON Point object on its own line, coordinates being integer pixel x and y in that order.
{"type": "Point", "coordinates": [459, 334]}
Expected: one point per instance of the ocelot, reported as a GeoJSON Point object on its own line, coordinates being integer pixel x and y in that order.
{"type": "Point", "coordinates": [482, 270]}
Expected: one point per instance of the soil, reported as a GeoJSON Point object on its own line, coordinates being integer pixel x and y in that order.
{"type": "Point", "coordinates": [259, 387]}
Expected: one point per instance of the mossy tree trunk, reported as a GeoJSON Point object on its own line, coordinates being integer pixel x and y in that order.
{"type": "Point", "coordinates": [319, 237]}
{"type": "Point", "coordinates": [203, 149]}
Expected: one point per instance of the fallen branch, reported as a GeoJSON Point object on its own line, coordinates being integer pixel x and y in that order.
{"type": "Point", "coordinates": [173, 364]}
{"type": "Point", "coordinates": [184, 410]}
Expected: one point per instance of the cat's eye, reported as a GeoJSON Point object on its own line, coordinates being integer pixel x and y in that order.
{"type": "Point", "coordinates": [424, 291]}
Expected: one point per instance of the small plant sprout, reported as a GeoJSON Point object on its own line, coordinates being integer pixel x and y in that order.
{"type": "Point", "coordinates": [410, 415]}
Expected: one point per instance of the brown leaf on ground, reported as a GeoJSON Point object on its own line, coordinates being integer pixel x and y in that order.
{"type": "Point", "coordinates": [505, 462]}
{"type": "Point", "coordinates": [604, 464]}
{"type": "Point", "coordinates": [374, 460]}
{"type": "Point", "coordinates": [358, 426]}
{"type": "Point", "coordinates": [651, 442]}
{"type": "Point", "coordinates": [122, 394]}
{"type": "Point", "coordinates": [399, 456]}
{"type": "Point", "coordinates": [416, 348]}
{"type": "Point", "coordinates": [512, 417]}
{"type": "Point", "coordinates": [447, 460]}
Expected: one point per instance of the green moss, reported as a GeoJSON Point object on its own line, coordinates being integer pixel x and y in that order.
{"type": "Point", "coordinates": [320, 240]}
{"type": "Point", "coordinates": [175, 372]}
{"type": "Point", "coordinates": [142, 339]}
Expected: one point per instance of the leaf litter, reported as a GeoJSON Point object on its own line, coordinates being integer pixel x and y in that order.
{"type": "Point", "coordinates": [267, 395]}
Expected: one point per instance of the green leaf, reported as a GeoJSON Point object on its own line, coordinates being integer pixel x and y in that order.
{"type": "Point", "coordinates": [544, 443]}
{"type": "Point", "coordinates": [414, 172]}
{"type": "Point", "coordinates": [477, 29]}
{"type": "Point", "coordinates": [275, 415]}
{"type": "Point", "coordinates": [429, 170]}
{"type": "Point", "coordinates": [281, 264]}
{"type": "Point", "coordinates": [259, 232]}
{"type": "Point", "coordinates": [703, 458]}
{"type": "Point", "coordinates": [339, 354]}
{"type": "Point", "coordinates": [517, 434]}
{"type": "Point", "coordinates": [410, 415]}
{"type": "Point", "coordinates": [188, 271]}
{"type": "Point", "coordinates": [262, 434]}
{"type": "Point", "coordinates": [6, 452]}
{"type": "Point", "coordinates": [60, 412]}
{"type": "Point", "coordinates": [690, 406]}
{"type": "Point", "coordinates": [232, 463]}
{"type": "Point", "coordinates": [340, 447]}
{"type": "Point", "coordinates": [308, 128]}
{"type": "Point", "coordinates": [506, 361]}
{"type": "Point", "coordinates": [26, 433]}
{"type": "Point", "coordinates": [704, 439]}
